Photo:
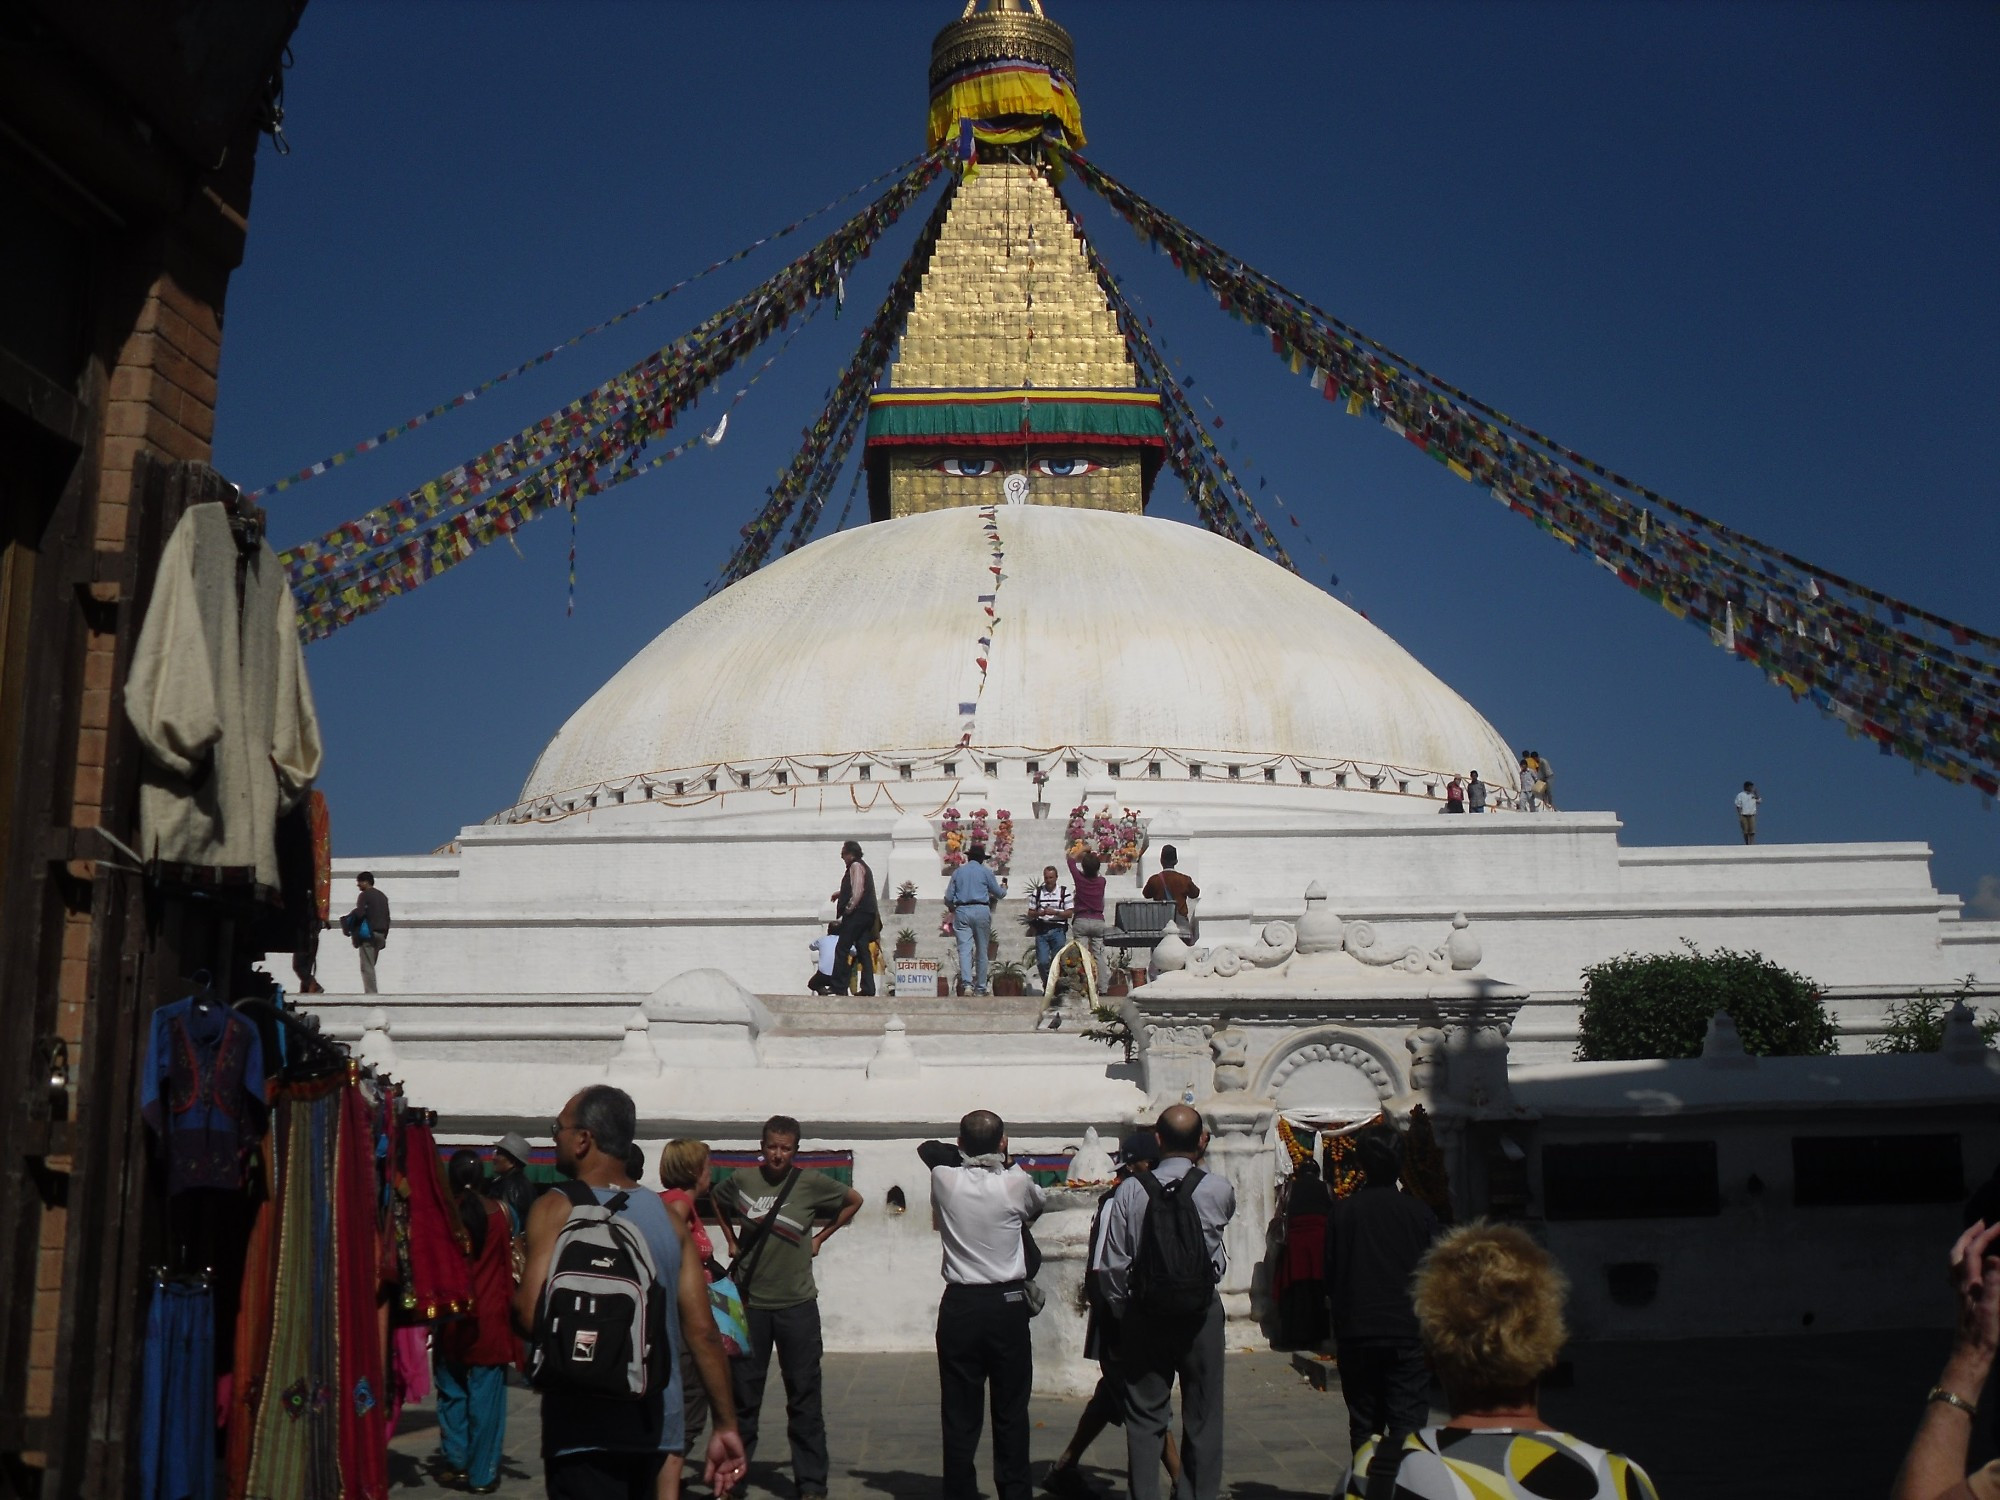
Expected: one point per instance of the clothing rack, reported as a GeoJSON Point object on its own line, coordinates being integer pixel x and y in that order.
{"type": "Point", "coordinates": [199, 1280]}
{"type": "Point", "coordinates": [318, 1055]}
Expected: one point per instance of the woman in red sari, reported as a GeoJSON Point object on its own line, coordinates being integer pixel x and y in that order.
{"type": "Point", "coordinates": [472, 1353]}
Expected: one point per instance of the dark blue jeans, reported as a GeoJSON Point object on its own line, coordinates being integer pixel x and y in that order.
{"type": "Point", "coordinates": [973, 926]}
{"type": "Point", "coordinates": [1047, 946]}
{"type": "Point", "coordinates": [794, 1333]}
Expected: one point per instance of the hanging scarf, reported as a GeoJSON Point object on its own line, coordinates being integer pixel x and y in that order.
{"type": "Point", "coordinates": [364, 1424]}
{"type": "Point", "coordinates": [294, 1453]}
{"type": "Point", "coordinates": [438, 1279]}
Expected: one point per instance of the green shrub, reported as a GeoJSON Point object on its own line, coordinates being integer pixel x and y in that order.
{"type": "Point", "coordinates": [1643, 1005]}
{"type": "Point", "coordinates": [1916, 1024]}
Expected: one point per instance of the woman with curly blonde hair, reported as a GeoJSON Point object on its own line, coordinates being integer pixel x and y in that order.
{"type": "Point", "coordinates": [1490, 1307]}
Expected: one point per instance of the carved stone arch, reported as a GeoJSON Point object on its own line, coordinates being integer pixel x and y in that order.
{"type": "Point", "coordinates": [1331, 1044]}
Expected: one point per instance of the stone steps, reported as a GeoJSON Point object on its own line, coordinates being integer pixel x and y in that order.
{"type": "Point", "coordinates": [863, 1015]}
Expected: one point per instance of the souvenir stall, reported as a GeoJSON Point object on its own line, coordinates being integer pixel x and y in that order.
{"type": "Point", "coordinates": [298, 1237]}
{"type": "Point", "coordinates": [307, 1249]}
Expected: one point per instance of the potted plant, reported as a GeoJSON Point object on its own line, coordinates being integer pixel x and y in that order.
{"type": "Point", "coordinates": [944, 986]}
{"type": "Point", "coordinates": [1108, 1026]}
{"type": "Point", "coordinates": [906, 943]}
{"type": "Point", "coordinates": [1120, 975]}
{"type": "Point", "coordinates": [906, 898]}
{"type": "Point", "coordinates": [1009, 978]}
{"type": "Point", "coordinates": [992, 949]}
{"type": "Point", "coordinates": [1041, 807]}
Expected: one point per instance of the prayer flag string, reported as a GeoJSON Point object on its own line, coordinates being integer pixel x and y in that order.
{"type": "Point", "coordinates": [598, 440]}
{"type": "Point", "coordinates": [803, 486]}
{"type": "Point", "coordinates": [466, 398]}
{"type": "Point", "coordinates": [1920, 686]}
{"type": "Point", "coordinates": [1212, 486]}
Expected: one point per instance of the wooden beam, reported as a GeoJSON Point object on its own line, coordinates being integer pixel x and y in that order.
{"type": "Point", "coordinates": [42, 401]}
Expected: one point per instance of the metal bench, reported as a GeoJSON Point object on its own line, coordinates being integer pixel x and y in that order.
{"type": "Point", "coordinates": [1139, 924]}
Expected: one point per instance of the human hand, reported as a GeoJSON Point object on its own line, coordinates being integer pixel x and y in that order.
{"type": "Point", "coordinates": [1975, 1276]}
{"type": "Point", "coordinates": [815, 1248]}
{"type": "Point", "coordinates": [727, 1462]}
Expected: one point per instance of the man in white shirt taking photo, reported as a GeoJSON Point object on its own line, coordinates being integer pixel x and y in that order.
{"type": "Point", "coordinates": [982, 1206]}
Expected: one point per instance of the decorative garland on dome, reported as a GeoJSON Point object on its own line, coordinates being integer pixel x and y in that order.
{"type": "Point", "coordinates": [817, 464]}
{"type": "Point", "coordinates": [1921, 686]}
{"type": "Point", "coordinates": [597, 441]}
{"type": "Point", "coordinates": [791, 774]}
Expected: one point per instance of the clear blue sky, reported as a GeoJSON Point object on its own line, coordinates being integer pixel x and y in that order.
{"type": "Point", "coordinates": [1743, 253]}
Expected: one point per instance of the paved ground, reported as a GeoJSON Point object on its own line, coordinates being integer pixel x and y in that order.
{"type": "Point", "coordinates": [1825, 1416]}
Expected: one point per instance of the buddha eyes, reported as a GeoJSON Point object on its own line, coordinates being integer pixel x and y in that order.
{"type": "Point", "coordinates": [1069, 467]}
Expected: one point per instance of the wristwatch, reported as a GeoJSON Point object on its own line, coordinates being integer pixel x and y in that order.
{"type": "Point", "coordinates": [1952, 1398]}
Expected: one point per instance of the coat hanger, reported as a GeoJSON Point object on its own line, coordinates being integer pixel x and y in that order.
{"type": "Point", "coordinates": [246, 520]}
{"type": "Point", "coordinates": [203, 990]}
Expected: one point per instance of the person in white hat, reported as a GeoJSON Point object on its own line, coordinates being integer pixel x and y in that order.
{"type": "Point", "coordinates": [512, 1186]}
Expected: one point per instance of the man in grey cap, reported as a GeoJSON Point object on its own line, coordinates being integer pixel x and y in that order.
{"type": "Point", "coordinates": [511, 1184]}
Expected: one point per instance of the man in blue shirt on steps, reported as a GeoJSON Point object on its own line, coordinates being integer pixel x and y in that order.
{"type": "Point", "coordinates": [973, 893]}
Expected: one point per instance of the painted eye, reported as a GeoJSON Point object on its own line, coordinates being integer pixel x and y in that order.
{"type": "Point", "coordinates": [1070, 467]}
{"type": "Point", "coordinates": [967, 468]}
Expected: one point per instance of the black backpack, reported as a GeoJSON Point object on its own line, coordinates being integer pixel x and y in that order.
{"type": "Point", "coordinates": [1172, 1274]}
{"type": "Point", "coordinates": [602, 1326]}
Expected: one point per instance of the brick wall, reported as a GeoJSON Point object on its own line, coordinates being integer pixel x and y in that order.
{"type": "Point", "coordinates": [160, 391]}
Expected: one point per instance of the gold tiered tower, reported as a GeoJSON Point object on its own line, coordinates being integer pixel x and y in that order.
{"type": "Point", "coordinates": [1012, 380]}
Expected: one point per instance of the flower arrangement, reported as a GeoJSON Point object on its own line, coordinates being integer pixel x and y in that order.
{"type": "Point", "coordinates": [1118, 841]}
{"type": "Point", "coordinates": [953, 830]}
{"type": "Point", "coordinates": [1296, 1148]}
{"type": "Point", "coordinates": [1000, 853]}
{"type": "Point", "coordinates": [994, 832]}
{"type": "Point", "coordinates": [1343, 1164]}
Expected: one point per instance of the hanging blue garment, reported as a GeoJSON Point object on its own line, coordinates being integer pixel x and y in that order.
{"type": "Point", "coordinates": [202, 1089]}
{"type": "Point", "coordinates": [177, 1401]}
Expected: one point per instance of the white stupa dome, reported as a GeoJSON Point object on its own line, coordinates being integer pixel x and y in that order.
{"type": "Point", "coordinates": [1137, 646]}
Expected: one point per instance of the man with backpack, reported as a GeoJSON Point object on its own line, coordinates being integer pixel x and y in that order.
{"type": "Point", "coordinates": [1159, 1263]}
{"type": "Point", "coordinates": [1139, 1151]}
{"type": "Point", "coordinates": [612, 1286]}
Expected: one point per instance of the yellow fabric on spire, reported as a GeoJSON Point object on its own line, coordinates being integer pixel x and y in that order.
{"type": "Point", "coordinates": [997, 90]}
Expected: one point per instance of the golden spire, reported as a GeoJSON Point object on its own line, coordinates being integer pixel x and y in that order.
{"type": "Point", "coordinates": [992, 30]}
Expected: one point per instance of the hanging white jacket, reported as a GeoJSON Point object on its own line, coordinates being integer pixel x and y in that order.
{"type": "Point", "coordinates": [219, 697]}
